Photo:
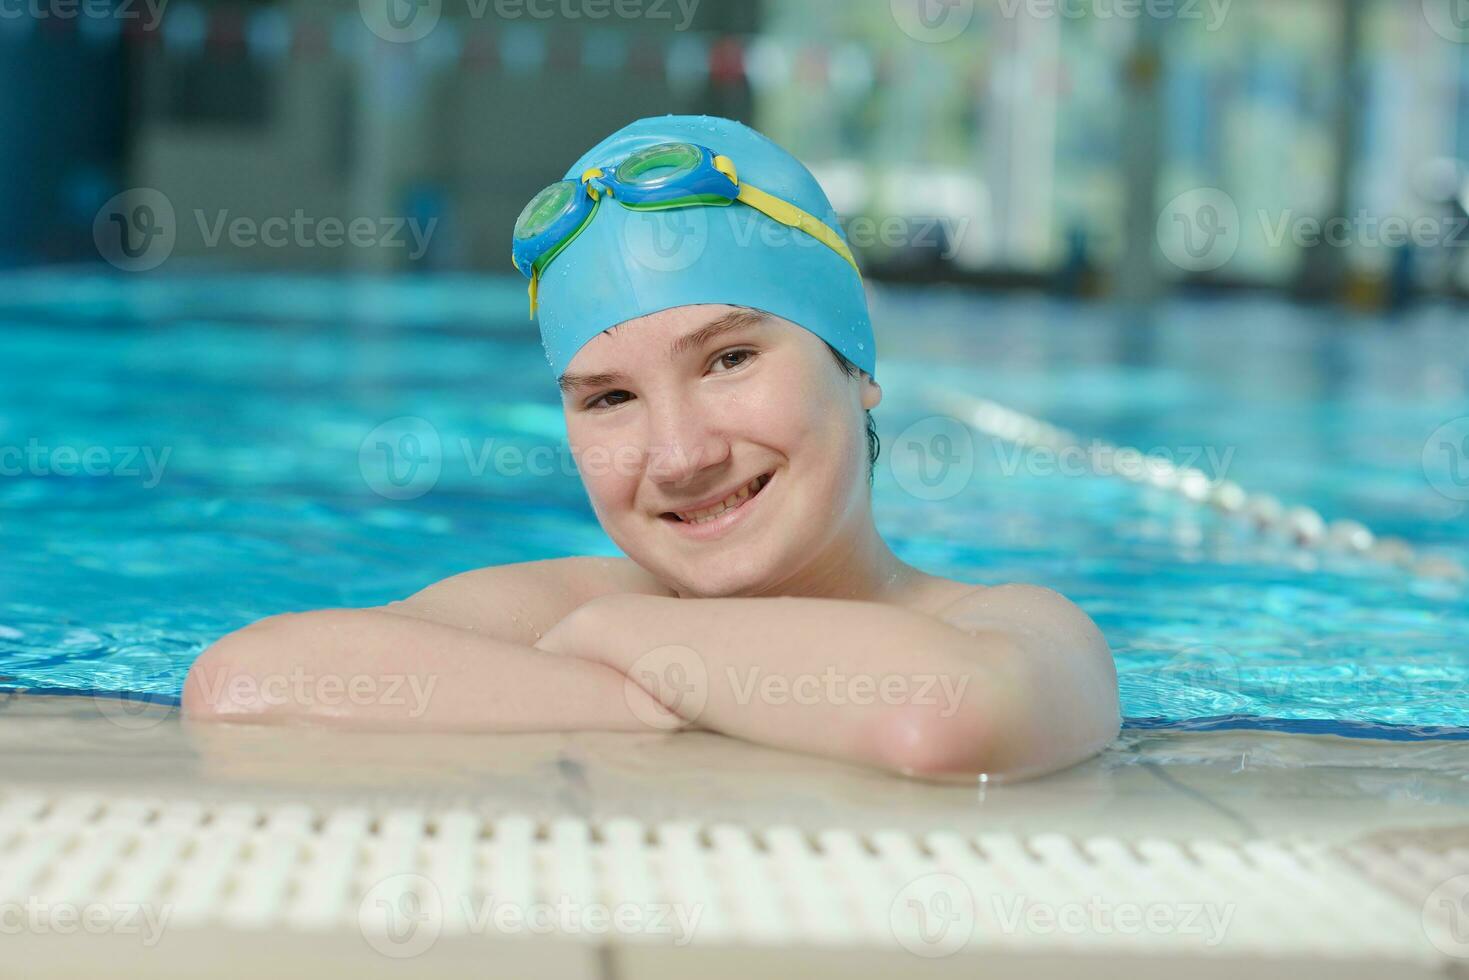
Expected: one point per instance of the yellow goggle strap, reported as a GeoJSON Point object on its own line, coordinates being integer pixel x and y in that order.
{"type": "Point", "coordinates": [788, 214]}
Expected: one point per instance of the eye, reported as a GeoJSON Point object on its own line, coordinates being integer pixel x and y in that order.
{"type": "Point", "coordinates": [612, 398]}
{"type": "Point", "coordinates": [732, 359]}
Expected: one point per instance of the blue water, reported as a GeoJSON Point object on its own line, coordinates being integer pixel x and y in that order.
{"type": "Point", "coordinates": [224, 420]}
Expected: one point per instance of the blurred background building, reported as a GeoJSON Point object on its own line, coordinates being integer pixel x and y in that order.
{"type": "Point", "coordinates": [1116, 148]}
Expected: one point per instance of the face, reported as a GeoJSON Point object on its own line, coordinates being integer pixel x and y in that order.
{"type": "Point", "coordinates": [723, 449]}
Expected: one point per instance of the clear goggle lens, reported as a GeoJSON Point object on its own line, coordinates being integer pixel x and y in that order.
{"type": "Point", "coordinates": [543, 209]}
{"type": "Point", "coordinates": [658, 165]}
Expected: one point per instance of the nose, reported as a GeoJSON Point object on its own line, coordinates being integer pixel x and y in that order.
{"type": "Point", "coordinates": [685, 438]}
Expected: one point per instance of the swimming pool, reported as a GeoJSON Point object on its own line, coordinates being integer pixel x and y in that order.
{"type": "Point", "coordinates": [184, 455]}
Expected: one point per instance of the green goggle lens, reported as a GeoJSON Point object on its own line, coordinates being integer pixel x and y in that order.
{"type": "Point", "coordinates": [657, 164]}
{"type": "Point", "coordinates": [550, 204]}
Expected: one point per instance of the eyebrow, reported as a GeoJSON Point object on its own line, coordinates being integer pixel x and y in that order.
{"type": "Point", "coordinates": [694, 339]}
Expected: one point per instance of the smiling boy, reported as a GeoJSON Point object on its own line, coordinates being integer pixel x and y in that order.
{"type": "Point", "coordinates": [716, 386]}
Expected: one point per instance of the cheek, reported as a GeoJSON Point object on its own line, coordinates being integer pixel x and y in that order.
{"type": "Point", "coordinates": [764, 416]}
{"type": "Point", "coordinates": [789, 412]}
{"type": "Point", "coordinates": [608, 470]}
{"type": "Point", "coordinates": [814, 420]}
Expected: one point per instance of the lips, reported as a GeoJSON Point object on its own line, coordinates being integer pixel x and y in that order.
{"type": "Point", "coordinates": [709, 510]}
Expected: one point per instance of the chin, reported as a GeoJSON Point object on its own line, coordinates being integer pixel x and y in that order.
{"type": "Point", "coordinates": [719, 577]}
{"type": "Point", "coordinates": [717, 583]}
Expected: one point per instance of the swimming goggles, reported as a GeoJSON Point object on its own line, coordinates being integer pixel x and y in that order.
{"type": "Point", "coordinates": [667, 175]}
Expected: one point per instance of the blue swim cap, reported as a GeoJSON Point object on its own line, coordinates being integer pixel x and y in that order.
{"type": "Point", "coordinates": [627, 263]}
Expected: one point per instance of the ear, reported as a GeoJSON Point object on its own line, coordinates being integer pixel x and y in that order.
{"type": "Point", "coordinates": [871, 392]}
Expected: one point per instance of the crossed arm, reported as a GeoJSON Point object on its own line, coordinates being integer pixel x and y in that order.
{"type": "Point", "coordinates": [1010, 681]}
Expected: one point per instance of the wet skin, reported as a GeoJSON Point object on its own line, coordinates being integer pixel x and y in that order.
{"type": "Point", "coordinates": [784, 618]}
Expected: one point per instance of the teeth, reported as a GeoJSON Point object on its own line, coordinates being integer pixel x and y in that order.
{"type": "Point", "coordinates": [728, 503]}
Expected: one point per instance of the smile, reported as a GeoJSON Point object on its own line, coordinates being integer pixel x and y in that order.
{"type": "Point", "coordinates": [711, 512]}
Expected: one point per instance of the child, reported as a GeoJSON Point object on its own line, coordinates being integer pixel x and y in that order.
{"type": "Point", "coordinates": [716, 385]}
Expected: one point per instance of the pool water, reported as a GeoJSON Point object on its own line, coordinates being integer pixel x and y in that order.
{"type": "Point", "coordinates": [184, 455]}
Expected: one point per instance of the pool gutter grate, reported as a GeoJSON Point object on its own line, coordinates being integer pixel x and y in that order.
{"type": "Point", "coordinates": [244, 867]}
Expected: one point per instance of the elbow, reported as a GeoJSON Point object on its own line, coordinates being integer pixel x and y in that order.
{"type": "Point", "coordinates": [226, 681]}
{"type": "Point", "coordinates": [929, 741]}
{"type": "Point", "coordinates": [925, 744]}
{"type": "Point", "coordinates": [987, 736]}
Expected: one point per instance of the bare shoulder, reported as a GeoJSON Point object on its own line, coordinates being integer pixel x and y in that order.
{"type": "Point", "coordinates": [521, 600]}
{"type": "Point", "coordinates": [1063, 663]}
{"type": "Point", "coordinates": [1055, 699]}
{"type": "Point", "coordinates": [1028, 611]}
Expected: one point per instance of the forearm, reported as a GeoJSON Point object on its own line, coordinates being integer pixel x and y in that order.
{"type": "Point", "coordinates": [367, 668]}
{"type": "Point", "coordinates": [874, 683]}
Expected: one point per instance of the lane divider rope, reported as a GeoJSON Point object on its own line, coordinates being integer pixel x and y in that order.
{"type": "Point", "coordinates": [1265, 513]}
